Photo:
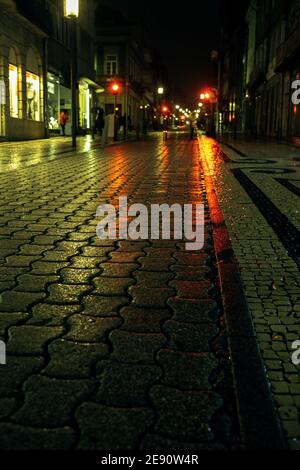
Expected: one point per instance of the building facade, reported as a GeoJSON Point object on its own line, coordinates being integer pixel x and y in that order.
{"type": "Point", "coordinates": [22, 75]}
{"type": "Point", "coordinates": [287, 66]}
{"type": "Point", "coordinates": [123, 57]}
{"type": "Point", "coordinates": [272, 63]}
{"type": "Point", "coordinates": [35, 82]}
{"type": "Point", "coordinates": [231, 66]}
{"type": "Point", "coordinates": [59, 45]}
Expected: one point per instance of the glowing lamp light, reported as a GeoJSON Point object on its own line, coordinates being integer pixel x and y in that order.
{"type": "Point", "coordinates": [207, 96]}
{"type": "Point", "coordinates": [160, 90]}
{"type": "Point", "coordinates": [177, 106]}
{"type": "Point", "coordinates": [72, 8]}
{"type": "Point", "coordinates": [165, 109]}
{"type": "Point", "coordinates": [115, 88]}
{"type": "Point", "coordinates": [202, 96]}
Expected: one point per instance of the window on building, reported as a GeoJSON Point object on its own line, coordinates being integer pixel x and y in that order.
{"type": "Point", "coordinates": [33, 96]}
{"type": "Point", "coordinates": [15, 84]}
{"type": "Point", "coordinates": [111, 67]}
{"type": "Point", "coordinates": [84, 105]}
{"type": "Point", "coordinates": [2, 107]}
{"type": "Point", "coordinates": [34, 88]}
{"type": "Point", "coordinates": [13, 91]}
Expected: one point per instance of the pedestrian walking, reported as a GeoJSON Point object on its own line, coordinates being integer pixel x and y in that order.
{"type": "Point", "coordinates": [192, 130]}
{"type": "Point", "coordinates": [63, 119]}
{"type": "Point", "coordinates": [99, 122]}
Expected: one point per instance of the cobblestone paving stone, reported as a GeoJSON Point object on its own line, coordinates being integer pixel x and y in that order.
{"type": "Point", "coordinates": [110, 344]}
{"type": "Point", "coordinates": [14, 155]}
{"type": "Point", "coordinates": [270, 276]}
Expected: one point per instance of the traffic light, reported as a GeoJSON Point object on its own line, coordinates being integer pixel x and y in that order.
{"type": "Point", "coordinates": [205, 96]}
{"type": "Point", "coordinates": [115, 88]}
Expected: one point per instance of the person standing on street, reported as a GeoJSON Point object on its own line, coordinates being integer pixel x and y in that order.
{"type": "Point", "coordinates": [192, 129]}
{"type": "Point", "coordinates": [99, 122]}
{"type": "Point", "coordinates": [63, 121]}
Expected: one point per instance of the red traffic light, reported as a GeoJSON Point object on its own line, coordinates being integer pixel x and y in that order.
{"type": "Point", "coordinates": [115, 88]}
{"type": "Point", "coordinates": [205, 95]}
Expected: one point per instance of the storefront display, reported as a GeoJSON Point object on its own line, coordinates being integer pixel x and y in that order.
{"type": "Point", "coordinates": [84, 106]}
{"type": "Point", "coordinates": [33, 96]}
{"type": "Point", "coordinates": [53, 88]}
{"type": "Point", "coordinates": [2, 108]}
{"type": "Point", "coordinates": [13, 91]}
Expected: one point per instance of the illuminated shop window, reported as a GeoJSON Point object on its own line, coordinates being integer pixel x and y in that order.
{"type": "Point", "coordinates": [13, 91]}
{"type": "Point", "coordinates": [2, 108]}
{"type": "Point", "coordinates": [33, 96]}
{"type": "Point", "coordinates": [53, 101]}
{"type": "Point", "coordinates": [84, 106]}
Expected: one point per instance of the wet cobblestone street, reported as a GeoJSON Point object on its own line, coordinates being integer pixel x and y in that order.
{"type": "Point", "coordinates": [109, 343]}
{"type": "Point", "coordinates": [123, 344]}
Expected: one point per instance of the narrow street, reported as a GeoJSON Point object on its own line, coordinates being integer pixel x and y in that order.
{"type": "Point", "coordinates": [149, 233]}
{"type": "Point", "coordinates": [142, 345]}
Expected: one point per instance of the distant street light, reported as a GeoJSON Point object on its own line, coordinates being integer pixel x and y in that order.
{"type": "Point", "coordinates": [177, 106]}
{"type": "Point", "coordinates": [71, 10]}
{"type": "Point", "coordinates": [160, 90]}
{"type": "Point", "coordinates": [115, 89]}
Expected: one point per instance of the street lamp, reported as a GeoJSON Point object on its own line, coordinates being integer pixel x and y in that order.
{"type": "Point", "coordinates": [71, 11]}
{"type": "Point", "coordinates": [160, 90]}
{"type": "Point", "coordinates": [71, 8]}
{"type": "Point", "coordinates": [115, 89]}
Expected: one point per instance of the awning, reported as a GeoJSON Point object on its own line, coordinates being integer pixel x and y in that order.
{"type": "Point", "coordinates": [98, 88]}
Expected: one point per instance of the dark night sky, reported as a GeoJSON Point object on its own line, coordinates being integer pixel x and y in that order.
{"type": "Point", "coordinates": [184, 33]}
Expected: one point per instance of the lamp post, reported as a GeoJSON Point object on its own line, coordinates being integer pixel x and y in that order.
{"type": "Point", "coordinates": [160, 93]}
{"type": "Point", "coordinates": [115, 88]}
{"type": "Point", "coordinates": [71, 8]}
